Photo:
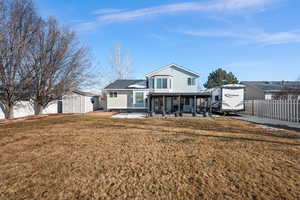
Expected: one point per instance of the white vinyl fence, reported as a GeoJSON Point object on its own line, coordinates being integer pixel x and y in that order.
{"type": "Point", "coordinates": [25, 108]}
{"type": "Point", "coordinates": [286, 110]}
{"type": "Point", "coordinates": [72, 103]}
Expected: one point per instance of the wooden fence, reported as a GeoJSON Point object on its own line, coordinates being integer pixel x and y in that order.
{"type": "Point", "coordinates": [286, 110]}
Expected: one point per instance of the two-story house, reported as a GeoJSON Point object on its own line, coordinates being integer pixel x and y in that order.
{"type": "Point", "coordinates": [171, 89]}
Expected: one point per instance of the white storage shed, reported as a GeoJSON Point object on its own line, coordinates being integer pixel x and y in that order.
{"type": "Point", "coordinates": [78, 102]}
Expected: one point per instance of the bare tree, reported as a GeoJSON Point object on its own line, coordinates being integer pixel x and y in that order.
{"type": "Point", "coordinates": [17, 29]}
{"type": "Point", "coordinates": [58, 63]}
{"type": "Point", "coordinates": [121, 62]}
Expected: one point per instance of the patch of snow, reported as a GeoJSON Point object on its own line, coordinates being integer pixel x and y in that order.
{"type": "Point", "coordinates": [270, 128]}
{"type": "Point", "coordinates": [130, 115]}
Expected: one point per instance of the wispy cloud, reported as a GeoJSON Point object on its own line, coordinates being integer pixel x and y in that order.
{"type": "Point", "coordinates": [251, 36]}
{"type": "Point", "coordinates": [111, 15]}
{"type": "Point", "coordinates": [106, 11]}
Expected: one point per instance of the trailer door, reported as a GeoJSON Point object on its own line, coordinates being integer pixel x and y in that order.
{"type": "Point", "coordinates": [232, 99]}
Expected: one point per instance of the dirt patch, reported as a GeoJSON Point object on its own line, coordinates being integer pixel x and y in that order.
{"type": "Point", "coordinates": [102, 113]}
{"type": "Point", "coordinates": [98, 157]}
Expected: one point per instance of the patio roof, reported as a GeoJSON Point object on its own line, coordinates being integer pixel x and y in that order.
{"type": "Point", "coordinates": [166, 94]}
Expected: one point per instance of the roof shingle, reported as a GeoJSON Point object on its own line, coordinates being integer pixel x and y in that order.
{"type": "Point", "coordinates": [273, 85]}
{"type": "Point", "coordinates": [123, 84]}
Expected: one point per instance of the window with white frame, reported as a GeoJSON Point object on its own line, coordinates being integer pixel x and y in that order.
{"type": "Point", "coordinates": [139, 97]}
{"type": "Point", "coordinates": [152, 82]}
{"type": "Point", "coordinates": [113, 94]}
{"type": "Point", "coordinates": [191, 81]}
{"type": "Point", "coordinates": [162, 83]}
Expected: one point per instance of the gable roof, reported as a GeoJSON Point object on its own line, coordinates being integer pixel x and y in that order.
{"type": "Point", "coordinates": [176, 66]}
{"type": "Point", "coordinates": [125, 84]}
{"type": "Point", "coordinates": [273, 85]}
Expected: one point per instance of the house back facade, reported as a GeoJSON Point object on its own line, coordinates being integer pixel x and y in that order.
{"type": "Point", "coordinates": [170, 89]}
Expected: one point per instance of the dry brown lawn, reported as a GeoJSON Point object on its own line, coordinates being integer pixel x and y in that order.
{"type": "Point", "coordinates": [96, 157]}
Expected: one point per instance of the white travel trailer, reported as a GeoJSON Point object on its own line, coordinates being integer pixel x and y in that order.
{"type": "Point", "coordinates": [228, 98]}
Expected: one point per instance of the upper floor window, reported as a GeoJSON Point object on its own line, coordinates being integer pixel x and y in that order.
{"type": "Point", "coordinates": [152, 82]}
{"type": "Point", "coordinates": [161, 83]}
{"type": "Point", "coordinates": [191, 81]}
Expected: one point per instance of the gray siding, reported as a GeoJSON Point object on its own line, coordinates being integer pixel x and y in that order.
{"type": "Point", "coordinates": [125, 99]}
{"type": "Point", "coordinates": [254, 94]}
{"type": "Point", "coordinates": [122, 101]}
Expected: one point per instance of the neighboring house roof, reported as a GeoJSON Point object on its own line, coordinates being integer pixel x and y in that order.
{"type": "Point", "coordinates": [88, 94]}
{"type": "Point", "coordinates": [273, 86]}
{"type": "Point", "coordinates": [127, 84]}
{"type": "Point", "coordinates": [175, 66]}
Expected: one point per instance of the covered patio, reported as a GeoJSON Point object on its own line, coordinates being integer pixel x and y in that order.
{"type": "Point", "coordinates": [179, 103]}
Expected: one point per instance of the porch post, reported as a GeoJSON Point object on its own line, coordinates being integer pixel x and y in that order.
{"type": "Point", "coordinates": [210, 106]}
{"type": "Point", "coordinates": [195, 106]}
{"type": "Point", "coordinates": [152, 106]}
{"type": "Point", "coordinates": [179, 106]}
{"type": "Point", "coordinates": [149, 105]}
{"type": "Point", "coordinates": [164, 106]}
{"type": "Point", "coordinates": [172, 102]}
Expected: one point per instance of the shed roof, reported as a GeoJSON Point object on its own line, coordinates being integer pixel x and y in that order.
{"type": "Point", "coordinates": [88, 94]}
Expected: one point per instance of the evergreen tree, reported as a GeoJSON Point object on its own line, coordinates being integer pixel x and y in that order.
{"type": "Point", "coordinates": [220, 77]}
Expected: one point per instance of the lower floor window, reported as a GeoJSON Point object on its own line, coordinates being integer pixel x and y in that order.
{"type": "Point", "coordinates": [139, 97]}
{"type": "Point", "coordinates": [113, 94]}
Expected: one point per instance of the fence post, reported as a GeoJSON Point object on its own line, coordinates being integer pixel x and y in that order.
{"type": "Point", "coordinates": [252, 107]}
{"type": "Point", "coordinates": [289, 110]}
{"type": "Point", "coordinates": [294, 110]}
{"type": "Point", "coordinates": [269, 109]}
{"type": "Point", "coordinates": [280, 109]}
{"type": "Point", "coordinates": [285, 108]}
{"type": "Point", "coordinates": [273, 106]}
{"type": "Point", "coordinates": [297, 110]}
{"type": "Point", "coordinates": [275, 109]}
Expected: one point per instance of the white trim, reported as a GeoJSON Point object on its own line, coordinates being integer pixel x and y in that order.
{"type": "Point", "coordinates": [134, 97]}
{"type": "Point", "coordinates": [178, 66]}
{"type": "Point", "coordinates": [146, 89]}
{"type": "Point", "coordinates": [137, 108]}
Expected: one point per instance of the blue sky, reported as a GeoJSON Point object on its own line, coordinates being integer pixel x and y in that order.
{"type": "Point", "coordinates": [255, 39]}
